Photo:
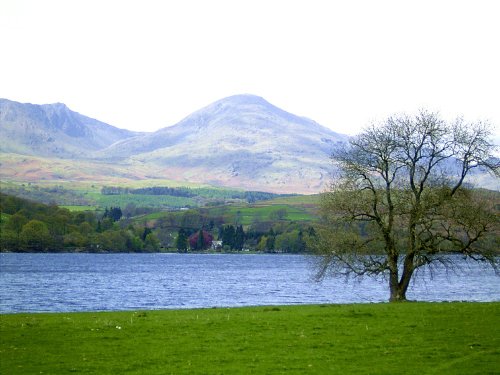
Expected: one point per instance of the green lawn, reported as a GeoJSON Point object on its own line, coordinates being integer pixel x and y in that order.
{"type": "Point", "coordinates": [298, 200]}
{"type": "Point", "coordinates": [140, 200]}
{"type": "Point", "coordinates": [80, 208]}
{"type": "Point", "coordinates": [409, 338]}
{"type": "Point", "coordinates": [247, 214]}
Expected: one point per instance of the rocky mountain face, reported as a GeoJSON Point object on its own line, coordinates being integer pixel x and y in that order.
{"type": "Point", "coordinates": [238, 141]}
{"type": "Point", "coordinates": [53, 130]}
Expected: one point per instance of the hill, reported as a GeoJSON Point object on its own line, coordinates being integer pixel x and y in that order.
{"type": "Point", "coordinates": [53, 130]}
{"type": "Point", "coordinates": [240, 141]}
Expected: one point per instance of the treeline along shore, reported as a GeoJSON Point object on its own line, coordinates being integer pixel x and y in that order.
{"type": "Point", "coordinates": [28, 226]}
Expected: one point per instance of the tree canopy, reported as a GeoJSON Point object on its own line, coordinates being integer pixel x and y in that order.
{"type": "Point", "coordinates": [402, 200]}
{"type": "Point", "coordinates": [200, 240]}
{"type": "Point", "coordinates": [29, 226]}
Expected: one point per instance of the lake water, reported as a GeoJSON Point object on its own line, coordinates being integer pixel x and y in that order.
{"type": "Point", "coordinates": [96, 282]}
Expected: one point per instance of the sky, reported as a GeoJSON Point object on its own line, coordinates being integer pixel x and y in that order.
{"type": "Point", "coordinates": [146, 64]}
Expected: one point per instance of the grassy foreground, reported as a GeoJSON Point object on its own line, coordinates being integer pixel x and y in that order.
{"type": "Point", "coordinates": [410, 338]}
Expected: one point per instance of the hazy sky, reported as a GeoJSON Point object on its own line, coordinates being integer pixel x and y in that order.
{"type": "Point", "coordinates": [146, 64]}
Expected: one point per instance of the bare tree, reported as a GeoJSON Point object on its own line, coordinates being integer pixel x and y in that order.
{"type": "Point", "coordinates": [401, 201]}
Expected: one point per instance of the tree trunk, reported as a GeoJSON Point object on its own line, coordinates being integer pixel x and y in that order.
{"type": "Point", "coordinates": [398, 289]}
{"type": "Point", "coordinates": [394, 286]}
{"type": "Point", "coordinates": [398, 293]}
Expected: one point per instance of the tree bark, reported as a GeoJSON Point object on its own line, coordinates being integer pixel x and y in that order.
{"type": "Point", "coordinates": [397, 294]}
{"type": "Point", "coordinates": [394, 286]}
{"type": "Point", "coordinates": [398, 289]}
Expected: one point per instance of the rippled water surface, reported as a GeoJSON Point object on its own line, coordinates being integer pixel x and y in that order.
{"type": "Point", "coordinates": [91, 282]}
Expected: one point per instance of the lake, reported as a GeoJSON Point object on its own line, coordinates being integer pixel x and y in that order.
{"type": "Point", "coordinates": [98, 282]}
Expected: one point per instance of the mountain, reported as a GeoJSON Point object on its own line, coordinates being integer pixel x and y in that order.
{"type": "Point", "coordinates": [239, 141]}
{"type": "Point", "coordinates": [53, 130]}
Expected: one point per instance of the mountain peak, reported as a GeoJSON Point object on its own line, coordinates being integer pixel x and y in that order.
{"type": "Point", "coordinates": [243, 99]}
{"type": "Point", "coordinates": [237, 103]}
{"type": "Point", "coordinates": [53, 130]}
{"type": "Point", "coordinates": [56, 107]}
{"type": "Point", "coordinates": [241, 140]}
{"type": "Point", "coordinates": [243, 108]}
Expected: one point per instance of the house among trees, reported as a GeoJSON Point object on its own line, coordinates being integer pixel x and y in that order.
{"type": "Point", "coordinates": [217, 245]}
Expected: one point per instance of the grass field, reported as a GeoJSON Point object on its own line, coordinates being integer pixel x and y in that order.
{"type": "Point", "coordinates": [140, 200]}
{"type": "Point", "coordinates": [263, 211]}
{"type": "Point", "coordinates": [410, 338]}
{"type": "Point", "coordinates": [246, 214]}
{"type": "Point", "coordinates": [298, 200]}
{"type": "Point", "coordinates": [80, 208]}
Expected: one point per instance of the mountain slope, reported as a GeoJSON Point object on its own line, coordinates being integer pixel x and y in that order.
{"type": "Point", "coordinates": [238, 141]}
{"type": "Point", "coordinates": [53, 130]}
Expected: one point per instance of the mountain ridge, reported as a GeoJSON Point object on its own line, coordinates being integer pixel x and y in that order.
{"type": "Point", "coordinates": [238, 140]}
{"type": "Point", "coordinates": [53, 130]}
{"type": "Point", "coordinates": [241, 141]}
{"type": "Point", "coordinates": [231, 110]}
